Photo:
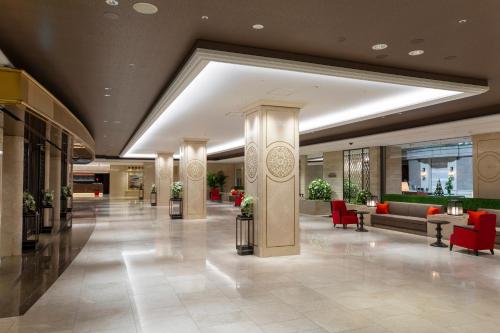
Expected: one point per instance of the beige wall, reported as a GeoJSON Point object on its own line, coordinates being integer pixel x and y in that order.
{"type": "Point", "coordinates": [333, 170]}
{"type": "Point", "coordinates": [229, 170]}
{"type": "Point", "coordinates": [393, 172]}
{"type": "Point", "coordinates": [118, 183]}
{"type": "Point", "coordinates": [486, 165]}
{"type": "Point", "coordinates": [149, 178]}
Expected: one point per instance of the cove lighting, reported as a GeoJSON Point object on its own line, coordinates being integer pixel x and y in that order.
{"type": "Point", "coordinates": [207, 80]}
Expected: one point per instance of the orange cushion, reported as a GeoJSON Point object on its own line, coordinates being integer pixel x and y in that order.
{"type": "Point", "coordinates": [382, 208]}
{"type": "Point", "coordinates": [474, 216]}
{"type": "Point", "coordinates": [432, 211]}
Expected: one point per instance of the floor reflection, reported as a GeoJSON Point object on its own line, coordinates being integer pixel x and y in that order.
{"type": "Point", "coordinates": [24, 279]}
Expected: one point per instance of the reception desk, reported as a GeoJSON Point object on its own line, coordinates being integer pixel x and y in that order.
{"type": "Point", "coordinates": [87, 190]}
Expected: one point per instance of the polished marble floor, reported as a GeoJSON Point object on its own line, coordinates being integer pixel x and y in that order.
{"type": "Point", "coordinates": [141, 272]}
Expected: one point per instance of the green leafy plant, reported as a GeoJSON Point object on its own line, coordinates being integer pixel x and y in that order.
{"type": "Point", "coordinates": [350, 191]}
{"type": "Point", "coordinates": [448, 186]}
{"type": "Point", "coordinates": [319, 189]}
{"type": "Point", "coordinates": [47, 198]}
{"type": "Point", "coordinates": [439, 189]}
{"type": "Point", "coordinates": [153, 188]}
{"type": "Point", "coordinates": [66, 191]}
{"type": "Point", "coordinates": [29, 203]}
{"type": "Point", "coordinates": [247, 206]}
{"type": "Point", "coordinates": [221, 179]}
{"type": "Point", "coordinates": [362, 197]}
{"type": "Point", "coordinates": [176, 189]}
{"type": "Point", "coordinates": [212, 180]}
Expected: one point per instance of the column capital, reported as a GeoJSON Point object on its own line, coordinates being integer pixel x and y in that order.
{"type": "Point", "coordinates": [270, 105]}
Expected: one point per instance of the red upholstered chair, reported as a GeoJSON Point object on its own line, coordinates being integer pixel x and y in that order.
{"type": "Point", "coordinates": [215, 194]}
{"type": "Point", "coordinates": [341, 215]}
{"type": "Point", "coordinates": [481, 236]}
{"type": "Point", "coordinates": [239, 199]}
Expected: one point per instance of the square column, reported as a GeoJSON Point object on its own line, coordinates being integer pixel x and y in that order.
{"type": "Point", "coordinates": [193, 175]}
{"type": "Point", "coordinates": [11, 227]}
{"type": "Point", "coordinates": [55, 175]}
{"type": "Point", "coordinates": [272, 177]}
{"type": "Point", "coordinates": [164, 175]}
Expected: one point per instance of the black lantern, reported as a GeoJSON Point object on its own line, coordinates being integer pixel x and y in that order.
{"type": "Point", "coordinates": [175, 208]}
{"type": "Point", "coordinates": [141, 193]}
{"type": "Point", "coordinates": [49, 210]}
{"type": "Point", "coordinates": [455, 207]}
{"type": "Point", "coordinates": [372, 201]}
{"type": "Point", "coordinates": [152, 198]}
{"type": "Point", "coordinates": [245, 235]}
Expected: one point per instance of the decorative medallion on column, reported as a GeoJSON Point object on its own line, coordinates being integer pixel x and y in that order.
{"type": "Point", "coordinates": [280, 161]}
{"type": "Point", "coordinates": [195, 169]}
{"type": "Point", "coordinates": [251, 162]}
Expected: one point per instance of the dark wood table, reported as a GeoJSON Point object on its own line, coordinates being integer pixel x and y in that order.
{"type": "Point", "coordinates": [438, 223]}
{"type": "Point", "coordinates": [361, 225]}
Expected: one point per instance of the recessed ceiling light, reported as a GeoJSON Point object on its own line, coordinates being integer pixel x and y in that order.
{"type": "Point", "coordinates": [104, 121]}
{"type": "Point", "coordinates": [204, 17]}
{"type": "Point", "coordinates": [145, 8]}
{"type": "Point", "coordinates": [462, 21]}
{"type": "Point", "coordinates": [378, 47]}
{"type": "Point", "coordinates": [116, 121]}
{"type": "Point", "coordinates": [112, 2]}
{"type": "Point", "coordinates": [258, 26]}
{"type": "Point", "coordinates": [111, 16]}
{"type": "Point", "coordinates": [416, 52]}
{"type": "Point", "coordinates": [107, 95]}
{"type": "Point", "coordinates": [107, 88]}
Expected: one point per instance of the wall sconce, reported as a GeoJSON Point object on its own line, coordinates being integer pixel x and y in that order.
{"type": "Point", "coordinates": [405, 187]}
{"type": "Point", "coordinates": [423, 173]}
{"type": "Point", "coordinates": [451, 172]}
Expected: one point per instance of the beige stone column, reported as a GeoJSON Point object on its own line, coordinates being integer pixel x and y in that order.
{"type": "Point", "coordinates": [393, 171]}
{"type": "Point", "coordinates": [374, 153]}
{"type": "Point", "coordinates": [333, 172]}
{"type": "Point", "coordinates": [164, 174]}
{"type": "Point", "coordinates": [272, 177]}
{"type": "Point", "coordinates": [55, 175]}
{"type": "Point", "coordinates": [46, 216]}
{"type": "Point", "coordinates": [12, 184]}
{"type": "Point", "coordinates": [302, 171]}
{"type": "Point", "coordinates": [1, 172]}
{"type": "Point", "coordinates": [149, 177]}
{"type": "Point", "coordinates": [193, 175]}
{"type": "Point", "coordinates": [69, 160]}
{"type": "Point", "coordinates": [486, 165]}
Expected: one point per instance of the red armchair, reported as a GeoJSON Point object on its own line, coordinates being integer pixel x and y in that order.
{"type": "Point", "coordinates": [215, 194]}
{"type": "Point", "coordinates": [480, 236]}
{"type": "Point", "coordinates": [239, 199]}
{"type": "Point", "coordinates": [341, 215]}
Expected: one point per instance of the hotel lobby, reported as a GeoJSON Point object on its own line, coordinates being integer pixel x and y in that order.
{"type": "Point", "coordinates": [267, 166]}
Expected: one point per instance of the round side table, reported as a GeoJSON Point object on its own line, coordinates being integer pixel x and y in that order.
{"type": "Point", "coordinates": [438, 223]}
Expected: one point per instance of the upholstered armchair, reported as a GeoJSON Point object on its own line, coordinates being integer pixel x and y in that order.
{"type": "Point", "coordinates": [215, 194]}
{"type": "Point", "coordinates": [239, 199]}
{"type": "Point", "coordinates": [480, 236]}
{"type": "Point", "coordinates": [341, 215]}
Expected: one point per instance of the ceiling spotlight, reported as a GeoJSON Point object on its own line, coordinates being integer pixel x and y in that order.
{"type": "Point", "coordinates": [378, 47]}
{"type": "Point", "coordinates": [145, 8]}
{"type": "Point", "coordinates": [107, 95]}
{"type": "Point", "coordinates": [462, 21]}
{"type": "Point", "coordinates": [204, 17]}
{"type": "Point", "coordinates": [258, 26]}
{"type": "Point", "coordinates": [107, 88]}
{"type": "Point", "coordinates": [112, 2]}
{"type": "Point", "coordinates": [416, 52]}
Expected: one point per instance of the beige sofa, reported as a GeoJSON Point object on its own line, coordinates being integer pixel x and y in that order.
{"type": "Point", "coordinates": [405, 216]}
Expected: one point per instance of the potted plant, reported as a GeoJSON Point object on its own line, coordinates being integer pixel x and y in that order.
{"type": "Point", "coordinates": [66, 192]}
{"type": "Point", "coordinates": [320, 189]}
{"type": "Point", "coordinates": [448, 186]}
{"type": "Point", "coordinates": [247, 206]}
{"type": "Point", "coordinates": [176, 189]}
{"type": "Point", "coordinates": [362, 197]}
{"type": "Point", "coordinates": [212, 180]}
{"type": "Point", "coordinates": [221, 180]}
{"type": "Point", "coordinates": [29, 204]}
{"type": "Point", "coordinates": [47, 199]}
